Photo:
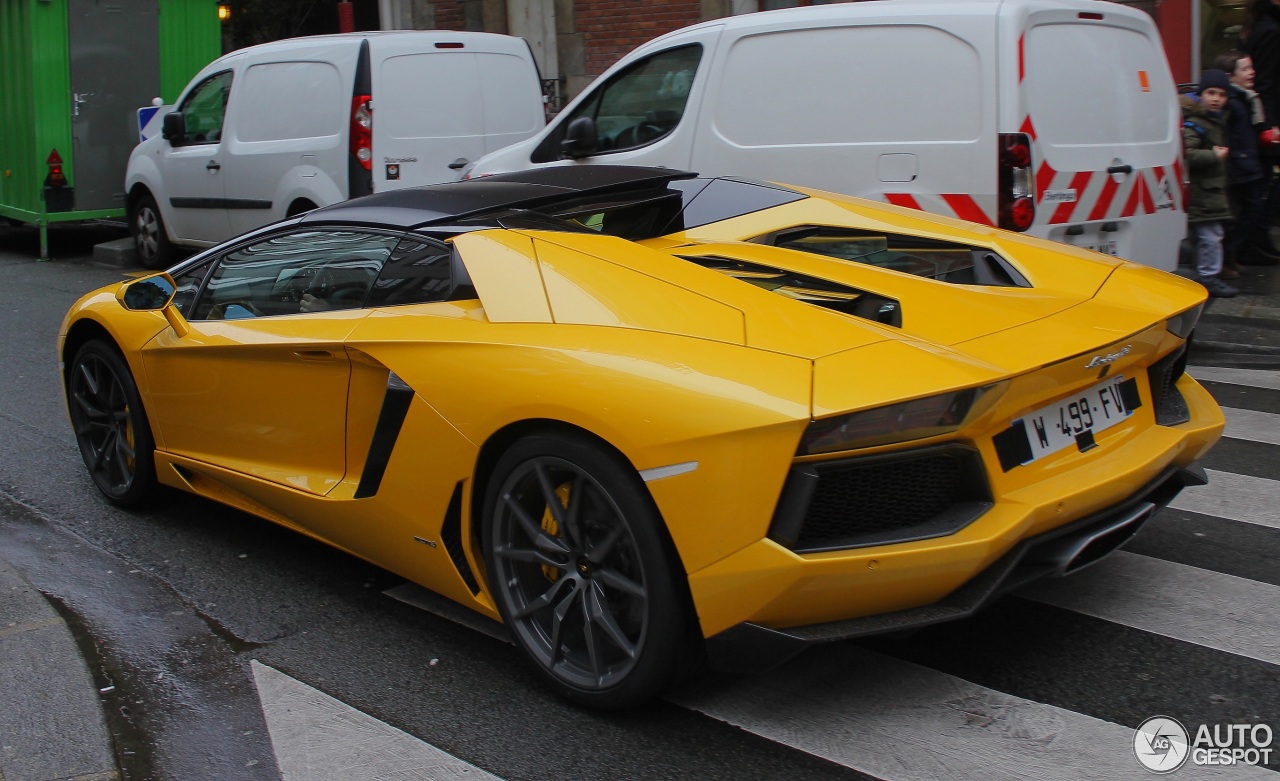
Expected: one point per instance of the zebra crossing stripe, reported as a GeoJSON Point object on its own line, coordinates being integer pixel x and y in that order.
{"type": "Point", "coordinates": [1258, 378]}
{"type": "Point", "coordinates": [902, 722]}
{"type": "Point", "coordinates": [1234, 497]}
{"type": "Point", "coordinates": [319, 738]}
{"type": "Point", "coordinates": [1210, 609]}
{"type": "Point", "coordinates": [1252, 425]}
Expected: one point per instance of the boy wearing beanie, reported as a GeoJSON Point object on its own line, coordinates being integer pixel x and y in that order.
{"type": "Point", "coordinates": [1204, 137]}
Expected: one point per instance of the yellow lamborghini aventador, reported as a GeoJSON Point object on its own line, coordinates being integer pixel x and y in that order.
{"type": "Point", "coordinates": [645, 418]}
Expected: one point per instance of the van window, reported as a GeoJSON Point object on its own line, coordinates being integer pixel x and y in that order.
{"type": "Point", "coordinates": [642, 104]}
{"type": "Point", "coordinates": [1097, 85]}
{"type": "Point", "coordinates": [450, 93]}
{"type": "Point", "coordinates": [284, 100]}
{"type": "Point", "coordinates": [849, 85]}
{"type": "Point", "coordinates": [302, 272]}
{"type": "Point", "coordinates": [204, 107]}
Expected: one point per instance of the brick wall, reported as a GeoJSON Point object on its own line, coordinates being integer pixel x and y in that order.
{"type": "Point", "coordinates": [611, 28]}
{"type": "Point", "coordinates": [449, 15]}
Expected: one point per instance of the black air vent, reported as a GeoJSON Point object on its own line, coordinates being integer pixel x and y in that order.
{"type": "Point", "coordinates": [811, 290]}
{"type": "Point", "coordinates": [945, 261]}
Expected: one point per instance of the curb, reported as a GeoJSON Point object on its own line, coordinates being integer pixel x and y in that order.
{"type": "Point", "coordinates": [50, 714]}
{"type": "Point", "coordinates": [1210, 346]}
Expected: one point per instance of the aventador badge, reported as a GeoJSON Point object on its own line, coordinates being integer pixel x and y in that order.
{"type": "Point", "coordinates": [1103, 360]}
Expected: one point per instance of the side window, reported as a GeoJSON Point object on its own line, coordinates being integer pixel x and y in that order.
{"type": "Point", "coordinates": [204, 108]}
{"type": "Point", "coordinates": [189, 283]}
{"type": "Point", "coordinates": [421, 272]}
{"type": "Point", "coordinates": [636, 107]}
{"type": "Point", "coordinates": [295, 273]}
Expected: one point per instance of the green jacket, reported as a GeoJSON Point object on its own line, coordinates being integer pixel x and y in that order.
{"type": "Point", "coordinates": [1201, 132]}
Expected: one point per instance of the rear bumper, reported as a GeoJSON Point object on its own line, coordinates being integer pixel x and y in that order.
{"type": "Point", "coordinates": [749, 647]}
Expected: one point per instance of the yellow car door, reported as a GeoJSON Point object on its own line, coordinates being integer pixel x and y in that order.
{"type": "Point", "coordinates": [259, 383]}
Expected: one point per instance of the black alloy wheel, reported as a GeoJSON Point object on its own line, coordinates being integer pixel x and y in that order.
{"type": "Point", "coordinates": [584, 574]}
{"type": "Point", "coordinates": [155, 251]}
{"type": "Point", "coordinates": [110, 425]}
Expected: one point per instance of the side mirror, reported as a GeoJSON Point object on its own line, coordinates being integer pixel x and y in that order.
{"type": "Point", "coordinates": [175, 127]}
{"type": "Point", "coordinates": [579, 138]}
{"type": "Point", "coordinates": [149, 294]}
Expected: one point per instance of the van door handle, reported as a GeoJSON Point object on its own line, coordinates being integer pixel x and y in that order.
{"type": "Point", "coordinates": [459, 164]}
{"type": "Point", "coordinates": [1120, 169]}
{"type": "Point", "coordinates": [212, 166]}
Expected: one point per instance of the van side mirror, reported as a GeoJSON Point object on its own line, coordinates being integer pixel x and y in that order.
{"type": "Point", "coordinates": [579, 138]}
{"type": "Point", "coordinates": [175, 127]}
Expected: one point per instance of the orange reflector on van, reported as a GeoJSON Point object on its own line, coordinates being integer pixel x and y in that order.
{"type": "Point", "coordinates": [1143, 81]}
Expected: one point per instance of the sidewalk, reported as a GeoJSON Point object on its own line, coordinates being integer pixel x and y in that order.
{"type": "Point", "coordinates": [1244, 331]}
{"type": "Point", "coordinates": [51, 723]}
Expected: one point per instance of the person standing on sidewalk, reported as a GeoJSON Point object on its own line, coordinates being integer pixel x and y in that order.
{"type": "Point", "coordinates": [1204, 137]}
{"type": "Point", "coordinates": [1247, 175]}
{"type": "Point", "coordinates": [1262, 43]}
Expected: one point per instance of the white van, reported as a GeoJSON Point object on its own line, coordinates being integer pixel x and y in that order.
{"type": "Point", "coordinates": [1055, 117]}
{"type": "Point", "coordinates": [277, 129]}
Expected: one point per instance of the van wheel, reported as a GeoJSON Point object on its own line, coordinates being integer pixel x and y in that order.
{"type": "Point", "coordinates": [149, 238]}
{"type": "Point", "coordinates": [299, 207]}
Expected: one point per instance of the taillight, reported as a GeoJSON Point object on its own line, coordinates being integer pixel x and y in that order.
{"type": "Point", "coordinates": [1017, 197]}
{"type": "Point", "coordinates": [362, 130]}
{"type": "Point", "coordinates": [55, 178]}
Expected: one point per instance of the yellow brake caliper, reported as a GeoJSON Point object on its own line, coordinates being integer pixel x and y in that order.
{"type": "Point", "coordinates": [550, 526]}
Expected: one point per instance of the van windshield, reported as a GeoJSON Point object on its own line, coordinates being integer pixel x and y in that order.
{"type": "Point", "coordinates": [1091, 87]}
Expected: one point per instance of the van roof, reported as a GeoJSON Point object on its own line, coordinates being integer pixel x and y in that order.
{"type": "Point", "coordinates": [805, 15]}
{"type": "Point", "coordinates": [492, 40]}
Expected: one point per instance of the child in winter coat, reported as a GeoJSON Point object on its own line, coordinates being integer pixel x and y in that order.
{"type": "Point", "coordinates": [1204, 136]}
{"type": "Point", "coordinates": [1248, 174]}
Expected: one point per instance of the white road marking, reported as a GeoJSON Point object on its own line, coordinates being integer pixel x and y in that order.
{"type": "Point", "coordinates": [1234, 497]}
{"type": "Point", "coordinates": [1258, 378]}
{"type": "Point", "coordinates": [1252, 425]}
{"type": "Point", "coordinates": [903, 722]}
{"type": "Point", "coordinates": [319, 738]}
{"type": "Point", "coordinates": [1209, 609]}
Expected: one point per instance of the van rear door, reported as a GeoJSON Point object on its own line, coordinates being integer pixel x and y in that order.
{"type": "Point", "coordinates": [1099, 103]}
{"type": "Point", "coordinates": [441, 105]}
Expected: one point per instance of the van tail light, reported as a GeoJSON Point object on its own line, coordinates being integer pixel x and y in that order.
{"type": "Point", "coordinates": [1016, 188]}
{"type": "Point", "coordinates": [55, 178]}
{"type": "Point", "coordinates": [362, 130]}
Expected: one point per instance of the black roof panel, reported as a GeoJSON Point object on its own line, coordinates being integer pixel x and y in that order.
{"type": "Point", "coordinates": [417, 206]}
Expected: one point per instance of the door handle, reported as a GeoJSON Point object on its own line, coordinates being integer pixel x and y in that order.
{"type": "Point", "coordinates": [212, 166]}
{"type": "Point", "coordinates": [314, 355]}
{"type": "Point", "coordinates": [1123, 168]}
{"type": "Point", "coordinates": [459, 164]}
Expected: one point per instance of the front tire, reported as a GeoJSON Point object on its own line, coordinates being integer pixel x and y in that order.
{"type": "Point", "coordinates": [155, 251]}
{"type": "Point", "coordinates": [111, 426]}
{"type": "Point", "coordinates": [583, 573]}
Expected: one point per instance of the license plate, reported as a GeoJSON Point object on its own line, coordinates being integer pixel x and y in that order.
{"type": "Point", "coordinates": [1076, 419]}
{"type": "Point", "coordinates": [1105, 247]}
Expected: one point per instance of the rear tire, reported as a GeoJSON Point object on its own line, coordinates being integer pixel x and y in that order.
{"type": "Point", "coordinates": [111, 426]}
{"type": "Point", "coordinates": [155, 251]}
{"type": "Point", "coordinates": [584, 574]}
